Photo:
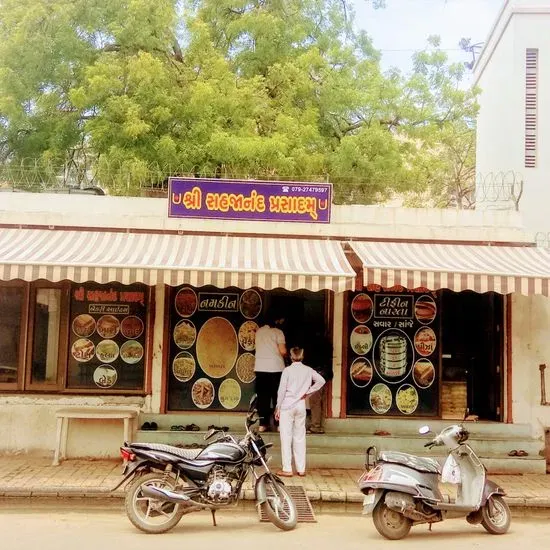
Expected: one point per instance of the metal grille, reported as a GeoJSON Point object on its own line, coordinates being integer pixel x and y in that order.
{"type": "Point", "coordinates": [301, 501]}
{"type": "Point", "coordinates": [531, 70]}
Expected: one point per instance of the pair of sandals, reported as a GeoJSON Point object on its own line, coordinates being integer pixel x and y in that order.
{"type": "Point", "coordinates": [521, 452]}
{"type": "Point", "coordinates": [150, 427]}
{"type": "Point", "coordinates": [188, 428]}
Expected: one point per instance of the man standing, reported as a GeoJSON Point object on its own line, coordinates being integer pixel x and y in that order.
{"type": "Point", "coordinates": [269, 364]}
{"type": "Point", "coordinates": [297, 382]}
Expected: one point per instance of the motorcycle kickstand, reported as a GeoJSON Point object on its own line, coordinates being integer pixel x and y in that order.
{"type": "Point", "coordinates": [214, 517]}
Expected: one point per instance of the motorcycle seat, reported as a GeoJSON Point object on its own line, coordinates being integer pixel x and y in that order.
{"type": "Point", "coordinates": [418, 463]}
{"type": "Point", "coordinates": [189, 454]}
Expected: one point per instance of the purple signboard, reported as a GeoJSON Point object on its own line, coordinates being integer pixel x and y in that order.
{"type": "Point", "coordinates": [249, 200]}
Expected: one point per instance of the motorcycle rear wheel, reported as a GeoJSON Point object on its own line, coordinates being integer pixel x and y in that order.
{"type": "Point", "coordinates": [279, 506]}
{"type": "Point", "coordinates": [149, 514]}
{"type": "Point", "coordinates": [498, 522]}
{"type": "Point", "coordinates": [389, 523]}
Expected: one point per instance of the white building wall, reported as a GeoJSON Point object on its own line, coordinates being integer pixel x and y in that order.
{"type": "Point", "coordinates": [28, 424]}
{"type": "Point", "coordinates": [347, 221]}
{"type": "Point", "coordinates": [500, 73]}
{"type": "Point", "coordinates": [530, 348]}
{"type": "Point", "coordinates": [499, 130]}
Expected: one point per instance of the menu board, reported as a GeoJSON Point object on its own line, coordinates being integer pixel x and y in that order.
{"type": "Point", "coordinates": [212, 344]}
{"type": "Point", "coordinates": [393, 353]}
{"type": "Point", "coordinates": [107, 337]}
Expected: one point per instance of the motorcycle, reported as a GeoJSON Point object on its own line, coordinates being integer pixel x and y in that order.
{"type": "Point", "coordinates": [402, 490]}
{"type": "Point", "coordinates": [169, 482]}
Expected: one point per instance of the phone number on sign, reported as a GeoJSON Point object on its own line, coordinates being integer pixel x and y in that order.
{"type": "Point", "coordinates": [309, 189]}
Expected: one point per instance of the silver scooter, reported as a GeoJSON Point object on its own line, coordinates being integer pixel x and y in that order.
{"type": "Point", "coordinates": [402, 490]}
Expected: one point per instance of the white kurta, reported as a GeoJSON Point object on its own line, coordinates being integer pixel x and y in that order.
{"type": "Point", "coordinates": [297, 381]}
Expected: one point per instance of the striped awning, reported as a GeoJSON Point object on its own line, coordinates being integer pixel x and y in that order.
{"type": "Point", "coordinates": [502, 269]}
{"type": "Point", "coordinates": [152, 258]}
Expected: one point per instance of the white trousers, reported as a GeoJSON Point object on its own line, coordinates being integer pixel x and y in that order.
{"type": "Point", "coordinates": [292, 429]}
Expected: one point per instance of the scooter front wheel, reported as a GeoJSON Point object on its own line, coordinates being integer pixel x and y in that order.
{"type": "Point", "coordinates": [389, 523]}
{"type": "Point", "coordinates": [495, 515]}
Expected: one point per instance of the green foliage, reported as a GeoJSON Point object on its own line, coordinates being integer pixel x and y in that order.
{"type": "Point", "coordinates": [132, 90]}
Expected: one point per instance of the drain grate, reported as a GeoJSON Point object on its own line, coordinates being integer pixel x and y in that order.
{"type": "Point", "coordinates": [302, 503]}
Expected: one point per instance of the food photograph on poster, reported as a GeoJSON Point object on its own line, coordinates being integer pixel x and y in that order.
{"type": "Point", "coordinates": [107, 337]}
{"type": "Point", "coordinates": [216, 328]}
{"type": "Point", "coordinates": [393, 354]}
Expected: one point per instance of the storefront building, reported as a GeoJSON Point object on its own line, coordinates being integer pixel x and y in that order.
{"type": "Point", "coordinates": [111, 301]}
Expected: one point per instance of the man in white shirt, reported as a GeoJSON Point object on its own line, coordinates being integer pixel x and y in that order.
{"type": "Point", "coordinates": [269, 364]}
{"type": "Point", "coordinates": [297, 382]}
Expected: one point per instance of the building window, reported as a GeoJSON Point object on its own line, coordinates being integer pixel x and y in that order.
{"type": "Point", "coordinates": [531, 75]}
{"type": "Point", "coordinates": [63, 337]}
{"type": "Point", "coordinates": [47, 325]}
{"type": "Point", "coordinates": [107, 337]}
{"type": "Point", "coordinates": [12, 298]}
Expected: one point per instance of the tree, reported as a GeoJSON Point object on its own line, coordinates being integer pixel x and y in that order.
{"type": "Point", "coordinates": [132, 91]}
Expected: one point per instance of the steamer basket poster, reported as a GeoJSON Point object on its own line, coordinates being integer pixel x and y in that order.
{"type": "Point", "coordinates": [393, 353]}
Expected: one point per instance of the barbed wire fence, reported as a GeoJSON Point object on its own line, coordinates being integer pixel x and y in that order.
{"type": "Point", "coordinates": [34, 175]}
{"type": "Point", "coordinates": [498, 190]}
{"type": "Point", "coordinates": [494, 190]}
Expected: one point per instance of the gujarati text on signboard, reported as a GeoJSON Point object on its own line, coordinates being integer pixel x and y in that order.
{"type": "Point", "coordinates": [249, 200]}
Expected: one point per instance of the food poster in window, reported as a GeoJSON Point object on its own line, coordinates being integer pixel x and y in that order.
{"type": "Point", "coordinates": [393, 353]}
{"type": "Point", "coordinates": [212, 347]}
{"type": "Point", "coordinates": [107, 337]}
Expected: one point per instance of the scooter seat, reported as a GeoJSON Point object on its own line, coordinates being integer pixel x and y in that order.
{"type": "Point", "coordinates": [418, 463]}
{"type": "Point", "coordinates": [189, 454]}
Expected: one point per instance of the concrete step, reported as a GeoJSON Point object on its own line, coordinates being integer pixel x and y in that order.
{"type": "Point", "coordinates": [334, 450]}
{"type": "Point", "coordinates": [397, 427]}
{"type": "Point", "coordinates": [410, 426]}
{"type": "Point", "coordinates": [344, 443]}
{"type": "Point", "coordinates": [410, 443]}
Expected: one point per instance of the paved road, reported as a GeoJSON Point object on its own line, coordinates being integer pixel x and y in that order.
{"type": "Point", "coordinates": [65, 526]}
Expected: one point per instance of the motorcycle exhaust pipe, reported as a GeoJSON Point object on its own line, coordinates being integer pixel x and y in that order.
{"type": "Point", "coordinates": [170, 496]}
{"type": "Point", "coordinates": [165, 495]}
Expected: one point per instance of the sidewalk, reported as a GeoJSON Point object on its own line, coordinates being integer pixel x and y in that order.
{"type": "Point", "coordinates": [23, 476]}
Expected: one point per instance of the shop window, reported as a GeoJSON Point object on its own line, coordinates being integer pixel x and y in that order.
{"type": "Point", "coordinates": [107, 338]}
{"type": "Point", "coordinates": [213, 341]}
{"type": "Point", "coordinates": [11, 322]}
{"type": "Point", "coordinates": [59, 337]}
{"type": "Point", "coordinates": [393, 353]}
{"type": "Point", "coordinates": [47, 317]}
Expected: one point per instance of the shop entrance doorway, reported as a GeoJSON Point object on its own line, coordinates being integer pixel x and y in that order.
{"type": "Point", "coordinates": [472, 354]}
{"type": "Point", "coordinates": [306, 316]}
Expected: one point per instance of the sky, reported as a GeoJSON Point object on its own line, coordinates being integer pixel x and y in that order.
{"type": "Point", "coordinates": [404, 25]}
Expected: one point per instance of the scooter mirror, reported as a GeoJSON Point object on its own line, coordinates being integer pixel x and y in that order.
{"type": "Point", "coordinates": [424, 430]}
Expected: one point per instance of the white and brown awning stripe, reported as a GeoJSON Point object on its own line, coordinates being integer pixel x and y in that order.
{"type": "Point", "coordinates": [151, 258]}
{"type": "Point", "coordinates": [502, 269]}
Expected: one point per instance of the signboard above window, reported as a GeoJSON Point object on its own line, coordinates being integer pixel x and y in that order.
{"type": "Point", "coordinates": [249, 200]}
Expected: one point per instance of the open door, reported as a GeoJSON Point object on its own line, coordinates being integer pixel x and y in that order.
{"type": "Point", "coordinates": [472, 352]}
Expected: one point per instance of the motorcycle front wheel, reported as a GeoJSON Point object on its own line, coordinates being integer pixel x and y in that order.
{"type": "Point", "coordinates": [279, 506]}
{"type": "Point", "coordinates": [389, 523]}
{"type": "Point", "coordinates": [496, 516]}
{"type": "Point", "coordinates": [149, 514]}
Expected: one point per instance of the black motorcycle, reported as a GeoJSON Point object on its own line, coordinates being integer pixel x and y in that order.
{"type": "Point", "coordinates": [169, 482]}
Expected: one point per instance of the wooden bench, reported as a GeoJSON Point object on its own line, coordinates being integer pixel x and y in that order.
{"type": "Point", "coordinates": [63, 416]}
